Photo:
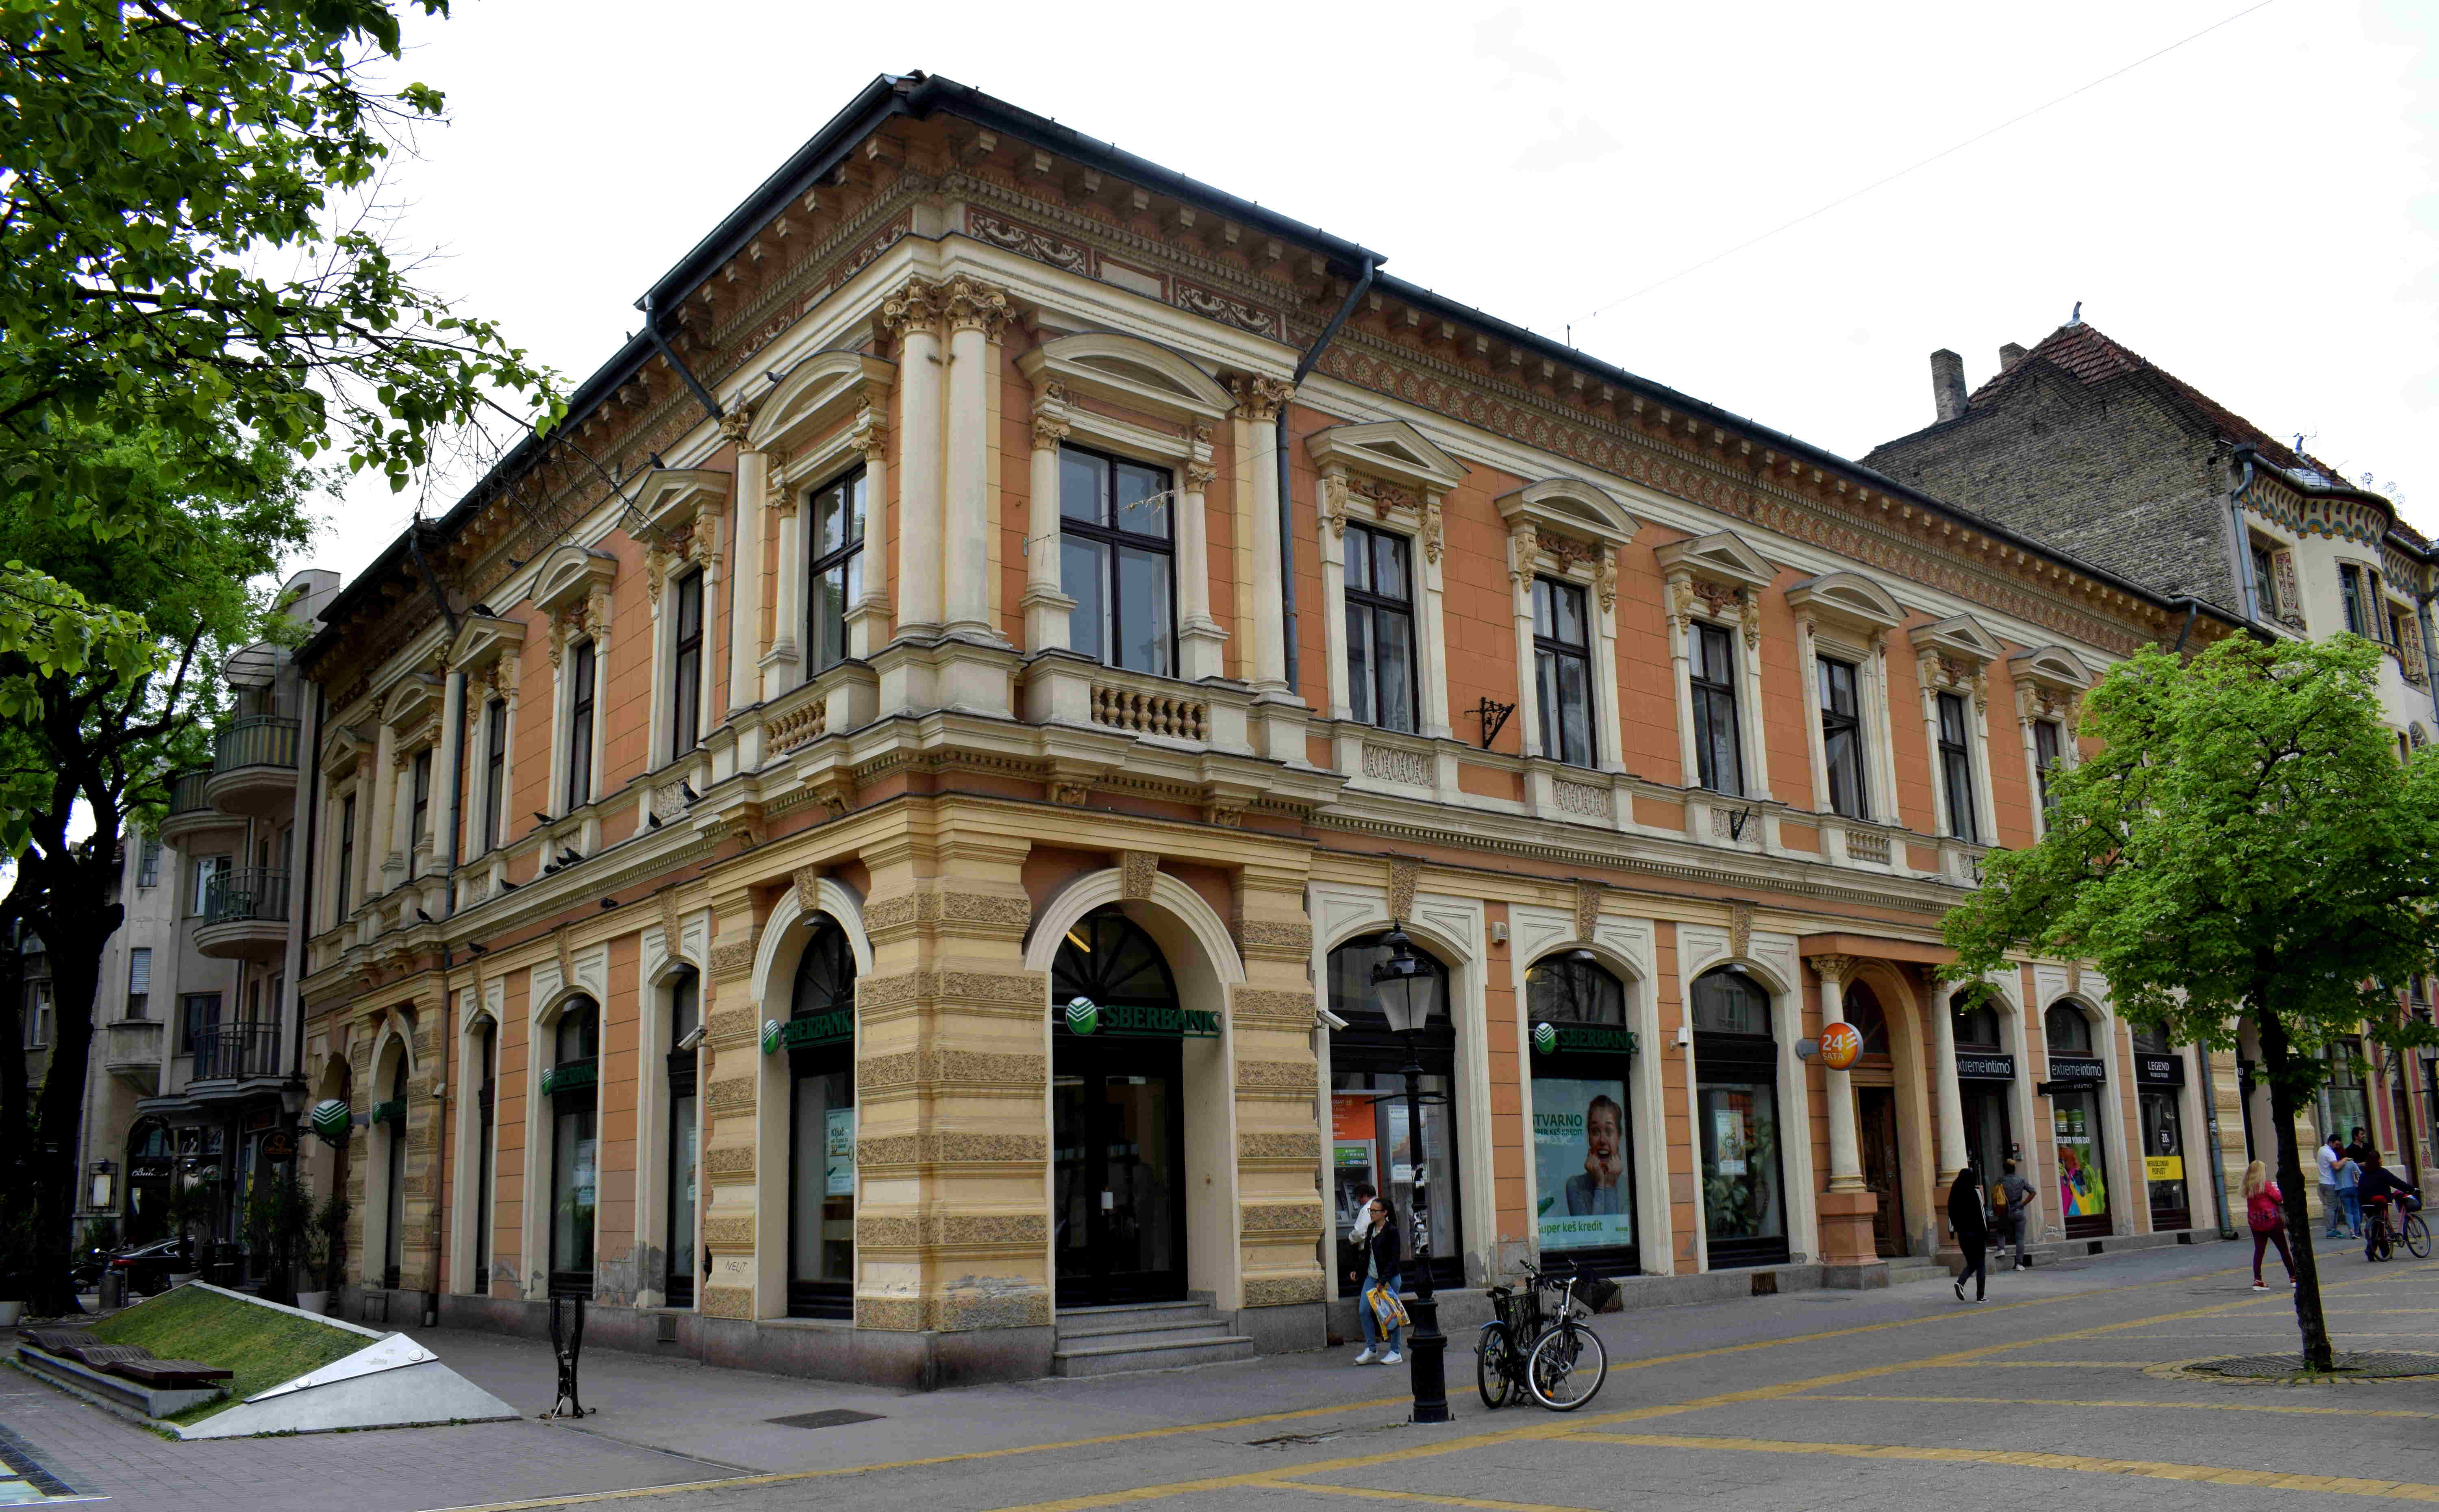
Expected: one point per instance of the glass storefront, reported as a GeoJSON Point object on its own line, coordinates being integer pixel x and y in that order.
{"type": "Point", "coordinates": [1985, 1088]}
{"type": "Point", "coordinates": [1370, 1138]}
{"type": "Point", "coordinates": [1735, 1096]}
{"type": "Point", "coordinates": [686, 1016]}
{"type": "Point", "coordinates": [1583, 1145]}
{"type": "Point", "coordinates": [2160, 1080]}
{"type": "Point", "coordinates": [2077, 1079]}
{"type": "Point", "coordinates": [573, 1086]}
{"type": "Point", "coordinates": [819, 1038]}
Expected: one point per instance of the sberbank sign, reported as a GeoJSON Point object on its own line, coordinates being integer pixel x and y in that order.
{"type": "Point", "coordinates": [1581, 1039]}
{"type": "Point", "coordinates": [812, 1029]}
{"type": "Point", "coordinates": [1134, 1020]}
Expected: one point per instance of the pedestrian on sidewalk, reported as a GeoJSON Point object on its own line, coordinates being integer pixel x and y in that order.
{"type": "Point", "coordinates": [2333, 1207]}
{"type": "Point", "coordinates": [2264, 1215]}
{"type": "Point", "coordinates": [2350, 1172]}
{"type": "Point", "coordinates": [1377, 1234]}
{"type": "Point", "coordinates": [2388, 1192]}
{"type": "Point", "coordinates": [2017, 1198]}
{"type": "Point", "coordinates": [1971, 1227]}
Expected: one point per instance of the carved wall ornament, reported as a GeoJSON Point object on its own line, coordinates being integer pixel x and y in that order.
{"type": "Point", "coordinates": [1588, 907]}
{"type": "Point", "coordinates": [1136, 869]}
{"type": "Point", "coordinates": [1720, 600]}
{"type": "Point", "coordinates": [917, 303]}
{"type": "Point", "coordinates": [671, 925]}
{"type": "Point", "coordinates": [1605, 579]}
{"type": "Point", "coordinates": [1070, 791]}
{"type": "Point", "coordinates": [1568, 552]}
{"type": "Point", "coordinates": [1402, 872]}
{"type": "Point", "coordinates": [869, 436]}
{"type": "Point", "coordinates": [1049, 429]}
{"type": "Point", "coordinates": [1434, 539]}
{"type": "Point", "coordinates": [809, 888]}
{"type": "Point", "coordinates": [1838, 969]}
{"type": "Point", "coordinates": [1200, 476]}
{"type": "Point", "coordinates": [1741, 915]}
{"type": "Point", "coordinates": [1259, 398]}
{"type": "Point", "coordinates": [1382, 496]}
{"type": "Point", "coordinates": [974, 305]}
{"type": "Point", "coordinates": [1520, 550]}
{"type": "Point", "coordinates": [736, 423]}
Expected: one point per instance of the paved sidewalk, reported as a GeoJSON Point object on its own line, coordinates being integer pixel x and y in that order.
{"type": "Point", "coordinates": [662, 1421]}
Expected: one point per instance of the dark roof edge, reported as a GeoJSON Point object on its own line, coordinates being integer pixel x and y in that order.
{"type": "Point", "coordinates": [2338, 491]}
{"type": "Point", "coordinates": [1519, 336]}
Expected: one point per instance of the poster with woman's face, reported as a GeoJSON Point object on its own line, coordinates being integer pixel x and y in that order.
{"type": "Point", "coordinates": [1586, 1196]}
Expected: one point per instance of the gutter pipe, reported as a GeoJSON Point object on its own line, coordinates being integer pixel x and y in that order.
{"type": "Point", "coordinates": [652, 329]}
{"type": "Point", "coordinates": [1287, 505]}
{"type": "Point", "coordinates": [2237, 536]}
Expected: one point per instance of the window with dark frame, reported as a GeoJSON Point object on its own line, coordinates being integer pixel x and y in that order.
{"type": "Point", "coordinates": [685, 667]}
{"type": "Point", "coordinates": [2350, 594]}
{"type": "Point", "coordinates": [1956, 768]}
{"type": "Point", "coordinates": [837, 567]}
{"type": "Point", "coordinates": [147, 869]}
{"type": "Point", "coordinates": [1718, 742]}
{"type": "Point", "coordinates": [346, 858]}
{"type": "Point", "coordinates": [1380, 627]}
{"type": "Point", "coordinates": [579, 724]}
{"type": "Point", "coordinates": [495, 770]}
{"type": "Point", "coordinates": [2265, 581]}
{"type": "Point", "coordinates": [487, 1093]}
{"type": "Point", "coordinates": [1115, 551]}
{"type": "Point", "coordinates": [1842, 738]}
{"type": "Point", "coordinates": [199, 1013]}
{"type": "Point", "coordinates": [678, 1276]}
{"type": "Point", "coordinates": [1562, 671]}
{"type": "Point", "coordinates": [139, 982]}
{"type": "Point", "coordinates": [2048, 748]}
{"type": "Point", "coordinates": [420, 813]}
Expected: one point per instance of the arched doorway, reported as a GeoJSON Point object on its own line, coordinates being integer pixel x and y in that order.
{"type": "Point", "coordinates": [573, 1086]}
{"type": "Point", "coordinates": [391, 1114]}
{"type": "Point", "coordinates": [2158, 1091]}
{"type": "Point", "coordinates": [1583, 1140]}
{"type": "Point", "coordinates": [487, 1105]}
{"type": "Point", "coordinates": [686, 1018]}
{"type": "Point", "coordinates": [1735, 1104]}
{"type": "Point", "coordinates": [1986, 1085]}
{"type": "Point", "coordinates": [820, 1037]}
{"type": "Point", "coordinates": [1877, 1143]}
{"type": "Point", "coordinates": [1119, 1115]}
{"type": "Point", "coordinates": [2076, 1078]}
{"type": "Point", "coordinates": [1370, 1142]}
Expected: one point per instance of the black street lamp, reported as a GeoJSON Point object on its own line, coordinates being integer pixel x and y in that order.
{"type": "Point", "coordinates": [1408, 988]}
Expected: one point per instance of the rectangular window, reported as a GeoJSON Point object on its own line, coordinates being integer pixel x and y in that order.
{"type": "Point", "coordinates": [1562, 671]}
{"type": "Point", "coordinates": [1114, 549]}
{"type": "Point", "coordinates": [254, 1001]}
{"type": "Point", "coordinates": [139, 982]}
{"type": "Point", "coordinates": [278, 988]}
{"type": "Point", "coordinates": [495, 770]}
{"type": "Point", "coordinates": [206, 871]}
{"type": "Point", "coordinates": [1842, 738]}
{"type": "Point", "coordinates": [2395, 627]}
{"type": "Point", "coordinates": [579, 724]}
{"type": "Point", "coordinates": [38, 1016]}
{"type": "Point", "coordinates": [1956, 767]}
{"type": "Point", "coordinates": [2049, 744]}
{"type": "Point", "coordinates": [1380, 629]}
{"type": "Point", "coordinates": [148, 869]}
{"type": "Point", "coordinates": [1719, 742]}
{"type": "Point", "coordinates": [685, 669]}
{"type": "Point", "coordinates": [2265, 583]}
{"type": "Point", "coordinates": [2350, 593]}
{"type": "Point", "coordinates": [420, 814]}
{"type": "Point", "coordinates": [346, 858]}
{"type": "Point", "coordinates": [199, 1014]}
{"type": "Point", "coordinates": [837, 568]}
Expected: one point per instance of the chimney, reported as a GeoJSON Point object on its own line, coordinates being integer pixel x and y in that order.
{"type": "Point", "coordinates": [2009, 356]}
{"type": "Point", "coordinates": [1948, 382]}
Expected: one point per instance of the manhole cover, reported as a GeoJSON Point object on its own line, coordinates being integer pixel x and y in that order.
{"type": "Point", "coordinates": [834, 1417]}
{"type": "Point", "coordinates": [2365, 1365]}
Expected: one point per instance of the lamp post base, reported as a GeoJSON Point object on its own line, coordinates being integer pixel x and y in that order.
{"type": "Point", "coordinates": [1427, 1359]}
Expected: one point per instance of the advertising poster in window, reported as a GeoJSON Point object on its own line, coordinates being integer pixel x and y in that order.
{"type": "Point", "coordinates": [1587, 1199]}
{"type": "Point", "coordinates": [838, 1153]}
{"type": "Point", "coordinates": [1353, 1151]}
{"type": "Point", "coordinates": [2083, 1190]}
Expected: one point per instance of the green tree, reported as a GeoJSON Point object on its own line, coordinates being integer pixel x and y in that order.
{"type": "Point", "coordinates": [2246, 843]}
{"type": "Point", "coordinates": [100, 705]}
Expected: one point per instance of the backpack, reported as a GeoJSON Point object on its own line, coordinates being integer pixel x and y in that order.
{"type": "Point", "coordinates": [2262, 1211]}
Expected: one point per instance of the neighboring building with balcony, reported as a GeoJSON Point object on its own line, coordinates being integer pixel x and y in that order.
{"type": "Point", "coordinates": [195, 1068]}
{"type": "Point", "coordinates": [726, 805]}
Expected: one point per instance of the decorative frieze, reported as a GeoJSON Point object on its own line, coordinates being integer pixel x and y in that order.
{"type": "Point", "coordinates": [1280, 1218]}
{"type": "Point", "coordinates": [932, 1148]}
{"type": "Point", "coordinates": [940, 1067]}
{"type": "Point", "coordinates": [1294, 1077]}
{"type": "Point", "coordinates": [1283, 1290]}
{"type": "Point", "coordinates": [728, 1302]}
{"type": "Point", "coordinates": [1300, 1145]}
{"type": "Point", "coordinates": [1262, 1007]}
{"type": "Point", "coordinates": [730, 1235]}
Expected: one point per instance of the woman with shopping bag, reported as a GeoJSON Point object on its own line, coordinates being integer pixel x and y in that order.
{"type": "Point", "coordinates": [1377, 1236]}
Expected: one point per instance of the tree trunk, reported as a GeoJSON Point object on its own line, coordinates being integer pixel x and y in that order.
{"type": "Point", "coordinates": [76, 917]}
{"type": "Point", "coordinates": [2276, 1056]}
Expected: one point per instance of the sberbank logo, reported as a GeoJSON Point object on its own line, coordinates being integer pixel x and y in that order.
{"type": "Point", "coordinates": [770, 1035]}
{"type": "Point", "coordinates": [1582, 1039]}
{"type": "Point", "coordinates": [1545, 1039]}
{"type": "Point", "coordinates": [1084, 1016]}
{"type": "Point", "coordinates": [1141, 1021]}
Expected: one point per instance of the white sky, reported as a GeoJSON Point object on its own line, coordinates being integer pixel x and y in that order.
{"type": "Point", "coordinates": [2254, 211]}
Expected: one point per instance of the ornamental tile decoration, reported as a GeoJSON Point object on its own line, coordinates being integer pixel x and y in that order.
{"type": "Point", "coordinates": [1279, 1146]}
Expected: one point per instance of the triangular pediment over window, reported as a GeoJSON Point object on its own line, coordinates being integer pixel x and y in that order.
{"type": "Point", "coordinates": [1387, 448]}
{"type": "Point", "coordinates": [669, 499]}
{"type": "Point", "coordinates": [1958, 635]}
{"type": "Point", "coordinates": [483, 638]}
{"type": "Point", "coordinates": [1723, 556]}
{"type": "Point", "coordinates": [1849, 596]}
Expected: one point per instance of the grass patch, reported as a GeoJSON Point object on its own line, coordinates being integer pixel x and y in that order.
{"type": "Point", "coordinates": [263, 1346]}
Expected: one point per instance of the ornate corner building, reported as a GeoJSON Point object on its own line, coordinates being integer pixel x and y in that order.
{"type": "Point", "coordinates": [862, 850]}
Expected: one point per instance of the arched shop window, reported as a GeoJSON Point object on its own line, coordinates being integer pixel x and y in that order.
{"type": "Point", "coordinates": [2159, 1095]}
{"type": "Point", "coordinates": [1583, 1140]}
{"type": "Point", "coordinates": [486, 1101]}
{"type": "Point", "coordinates": [394, 1229]}
{"type": "Point", "coordinates": [1367, 1087]}
{"type": "Point", "coordinates": [1736, 1097]}
{"type": "Point", "coordinates": [685, 1017]}
{"type": "Point", "coordinates": [1861, 1006]}
{"type": "Point", "coordinates": [2077, 1077]}
{"type": "Point", "coordinates": [573, 1084]}
{"type": "Point", "coordinates": [1985, 1079]}
{"type": "Point", "coordinates": [820, 1040]}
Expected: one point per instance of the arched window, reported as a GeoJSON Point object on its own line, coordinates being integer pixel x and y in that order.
{"type": "Point", "coordinates": [487, 1096]}
{"type": "Point", "coordinates": [2070, 1032]}
{"type": "Point", "coordinates": [1367, 1086]}
{"type": "Point", "coordinates": [820, 1037]}
{"type": "Point", "coordinates": [1109, 961]}
{"type": "Point", "coordinates": [1583, 1142]}
{"type": "Point", "coordinates": [685, 1017]}
{"type": "Point", "coordinates": [393, 1225]}
{"type": "Point", "coordinates": [2075, 1120]}
{"type": "Point", "coordinates": [1985, 1084]}
{"type": "Point", "coordinates": [2151, 1042]}
{"type": "Point", "coordinates": [1977, 1024]}
{"type": "Point", "coordinates": [1744, 1205]}
{"type": "Point", "coordinates": [573, 1086]}
{"type": "Point", "coordinates": [1862, 1009]}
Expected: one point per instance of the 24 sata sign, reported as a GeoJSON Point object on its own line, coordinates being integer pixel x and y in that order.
{"type": "Point", "coordinates": [1837, 1048]}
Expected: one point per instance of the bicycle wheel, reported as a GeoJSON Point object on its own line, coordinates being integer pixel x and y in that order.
{"type": "Point", "coordinates": [1494, 1374]}
{"type": "Point", "coordinates": [2416, 1235]}
{"type": "Point", "coordinates": [1566, 1367]}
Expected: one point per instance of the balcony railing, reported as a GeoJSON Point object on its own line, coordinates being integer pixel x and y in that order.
{"type": "Point", "coordinates": [258, 740]}
{"type": "Point", "coordinates": [247, 892]}
{"type": "Point", "coordinates": [228, 1052]}
{"type": "Point", "coordinates": [186, 792]}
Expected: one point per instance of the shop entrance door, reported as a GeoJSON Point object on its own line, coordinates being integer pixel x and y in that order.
{"type": "Point", "coordinates": [2164, 1163]}
{"type": "Point", "coordinates": [1876, 1128]}
{"type": "Point", "coordinates": [1118, 1118]}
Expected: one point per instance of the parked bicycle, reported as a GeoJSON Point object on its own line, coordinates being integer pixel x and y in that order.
{"type": "Point", "coordinates": [1547, 1353]}
{"type": "Point", "coordinates": [2391, 1224]}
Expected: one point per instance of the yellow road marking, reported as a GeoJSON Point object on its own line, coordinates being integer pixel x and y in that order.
{"type": "Point", "coordinates": [1433, 1498]}
{"type": "Point", "coordinates": [2034, 1460]}
{"type": "Point", "coordinates": [2203, 1407]}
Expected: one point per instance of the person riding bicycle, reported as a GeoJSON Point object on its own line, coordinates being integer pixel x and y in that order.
{"type": "Point", "coordinates": [2377, 1186]}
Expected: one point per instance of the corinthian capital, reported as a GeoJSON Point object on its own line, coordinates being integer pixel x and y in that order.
{"type": "Point", "coordinates": [972, 305]}
{"type": "Point", "coordinates": [916, 304]}
{"type": "Point", "coordinates": [1259, 398]}
{"type": "Point", "coordinates": [1832, 968]}
{"type": "Point", "coordinates": [736, 422]}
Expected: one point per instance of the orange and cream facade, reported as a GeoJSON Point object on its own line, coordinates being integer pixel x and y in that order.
{"type": "Point", "coordinates": [869, 844]}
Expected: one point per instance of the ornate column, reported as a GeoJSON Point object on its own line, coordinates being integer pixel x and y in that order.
{"type": "Point", "coordinates": [1947, 1096]}
{"type": "Point", "coordinates": [977, 317]}
{"type": "Point", "coordinates": [913, 314]}
{"type": "Point", "coordinates": [1198, 636]}
{"type": "Point", "coordinates": [1258, 401]}
{"type": "Point", "coordinates": [780, 663]}
{"type": "Point", "coordinates": [1845, 1166]}
{"type": "Point", "coordinates": [1524, 548]}
{"type": "Point", "coordinates": [446, 847]}
{"type": "Point", "coordinates": [867, 618]}
{"type": "Point", "coordinates": [1046, 603]}
{"type": "Point", "coordinates": [746, 593]}
{"type": "Point", "coordinates": [378, 826]}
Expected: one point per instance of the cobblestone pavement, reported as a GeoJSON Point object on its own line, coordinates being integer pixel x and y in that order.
{"type": "Point", "coordinates": [2060, 1388]}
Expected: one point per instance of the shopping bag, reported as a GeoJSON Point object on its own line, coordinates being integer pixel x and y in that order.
{"type": "Point", "coordinates": [1386, 1309]}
